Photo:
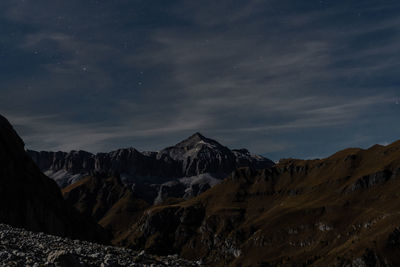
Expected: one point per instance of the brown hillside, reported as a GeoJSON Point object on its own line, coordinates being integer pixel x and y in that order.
{"type": "Point", "coordinates": [107, 201]}
{"type": "Point", "coordinates": [341, 210]}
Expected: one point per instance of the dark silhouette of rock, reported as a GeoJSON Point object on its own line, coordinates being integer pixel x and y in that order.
{"type": "Point", "coordinates": [31, 200]}
{"type": "Point", "coordinates": [62, 258]}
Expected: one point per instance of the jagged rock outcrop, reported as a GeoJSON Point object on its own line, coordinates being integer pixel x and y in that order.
{"type": "Point", "coordinates": [338, 211]}
{"type": "Point", "coordinates": [31, 200]}
{"type": "Point", "coordinates": [184, 170]}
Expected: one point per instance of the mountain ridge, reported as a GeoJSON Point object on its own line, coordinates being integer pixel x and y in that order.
{"type": "Point", "coordinates": [197, 158]}
{"type": "Point", "coordinates": [343, 210]}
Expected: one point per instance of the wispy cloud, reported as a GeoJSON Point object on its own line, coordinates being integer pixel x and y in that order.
{"type": "Point", "coordinates": [54, 133]}
{"type": "Point", "coordinates": [261, 74]}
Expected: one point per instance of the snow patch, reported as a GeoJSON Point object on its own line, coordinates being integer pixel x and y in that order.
{"type": "Point", "coordinates": [204, 178]}
{"type": "Point", "coordinates": [64, 178]}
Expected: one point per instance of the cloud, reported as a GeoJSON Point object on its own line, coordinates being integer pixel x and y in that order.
{"type": "Point", "coordinates": [52, 132]}
{"type": "Point", "coordinates": [231, 72]}
{"type": "Point", "coordinates": [253, 73]}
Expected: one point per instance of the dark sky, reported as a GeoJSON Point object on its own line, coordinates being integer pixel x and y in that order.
{"type": "Point", "coordinates": [284, 78]}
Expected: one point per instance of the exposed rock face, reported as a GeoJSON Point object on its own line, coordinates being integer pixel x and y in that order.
{"type": "Point", "coordinates": [197, 155]}
{"type": "Point", "coordinates": [64, 168]}
{"type": "Point", "coordinates": [31, 200]}
{"type": "Point", "coordinates": [371, 180]}
{"type": "Point", "coordinates": [19, 247]}
{"type": "Point", "coordinates": [183, 170]}
{"type": "Point", "coordinates": [340, 211]}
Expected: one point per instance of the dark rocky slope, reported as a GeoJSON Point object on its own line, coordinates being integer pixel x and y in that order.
{"type": "Point", "coordinates": [340, 211]}
{"type": "Point", "coordinates": [184, 170]}
{"type": "Point", "coordinates": [107, 201]}
{"type": "Point", "coordinates": [31, 200]}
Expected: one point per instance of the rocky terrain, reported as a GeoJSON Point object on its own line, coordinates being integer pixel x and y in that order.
{"type": "Point", "coordinates": [340, 211]}
{"type": "Point", "coordinates": [184, 170]}
{"type": "Point", "coordinates": [33, 201]}
{"type": "Point", "coordinates": [19, 247]}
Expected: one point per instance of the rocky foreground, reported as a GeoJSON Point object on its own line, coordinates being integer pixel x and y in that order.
{"type": "Point", "coordinates": [19, 247]}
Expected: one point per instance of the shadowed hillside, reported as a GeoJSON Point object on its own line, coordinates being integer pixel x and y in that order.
{"type": "Point", "coordinates": [30, 200]}
{"type": "Point", "coordinates": [107, 201]}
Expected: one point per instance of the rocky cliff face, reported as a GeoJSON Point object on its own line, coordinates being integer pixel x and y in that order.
{"type": "Point", "coordinates": [198, 154]}
{"type": "Point", "coordinates": [338, 211]}
{"type": "Point", "coordinates": [31, 200]}
{"type": "Point", "coordinates": [184, 170]}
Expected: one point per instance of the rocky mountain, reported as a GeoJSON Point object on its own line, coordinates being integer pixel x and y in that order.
{"type": "Point", "coordinates": [340, 211]}
{"type": "Point", "coordinates": [31, 200]}
{"type": "Point", "coordinates": [198, 154]}
{"type": "Point", "coordinates": [184, 170]}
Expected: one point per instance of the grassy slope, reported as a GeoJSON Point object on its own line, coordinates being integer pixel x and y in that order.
{"type": "Point", "coordinates": [298, 212]}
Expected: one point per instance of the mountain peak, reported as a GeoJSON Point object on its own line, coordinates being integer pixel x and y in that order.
{"type": "Point", "coordinates": [195, 139]}
{"type": "Point", "coordinates": [197, 135]}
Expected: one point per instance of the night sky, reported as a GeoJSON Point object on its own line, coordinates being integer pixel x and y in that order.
{"type": "Point", "coordinates": [283, 78]}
